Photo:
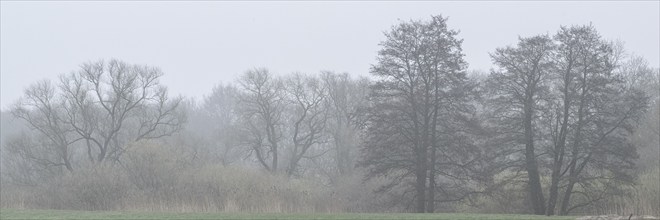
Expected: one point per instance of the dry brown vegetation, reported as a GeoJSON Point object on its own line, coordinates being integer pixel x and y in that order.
{"type": "Point", "coordinates": [153, 179]}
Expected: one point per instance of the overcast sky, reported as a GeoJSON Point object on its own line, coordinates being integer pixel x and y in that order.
{"type": "Point", "coordinates": [200, 44]}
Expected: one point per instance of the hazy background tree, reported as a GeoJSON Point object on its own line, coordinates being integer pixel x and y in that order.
{"type": "Point", "coordinates": [44, 112]}
{"type": "Point", "coordinates": [347, 103]}
{"type": "Point", "coordinates": [99, 110]}
{"type": "Point", "coordinates": [639, 75]}
{"type": "Point", "coordinates": [305, 97]}
{"type": "Point", "coordinates": [110, 104]}
{"type": "Point", "coordinates": [262, 104]}
{"type": "Point", "coordinates": [219, 121]}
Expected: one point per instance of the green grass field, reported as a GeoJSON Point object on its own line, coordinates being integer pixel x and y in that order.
{"type": "Point", "coordinates": [63, 214]}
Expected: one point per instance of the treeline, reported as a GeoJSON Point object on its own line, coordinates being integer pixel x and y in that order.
{"type": "Point", "coordinates": [554, 128]}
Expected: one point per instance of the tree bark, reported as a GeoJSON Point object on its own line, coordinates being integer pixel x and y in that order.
{"type": "Point", "coordinates": [572, 179]}
{"type": "Point", "coordinates": [430, 207]}
{"type": "Point", "coordinates": [560, 147]}
{"type": "Point", "coordinates": [535, 190]}
{"type": "Point", "coordinates": [420, 186]}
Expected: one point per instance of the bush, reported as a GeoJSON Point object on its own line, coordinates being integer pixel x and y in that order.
{"type": "Point", "coordinates": [205, 189]}
{"type": "Point", "coordinates": [158, 177]}
{"type": "Point", "coordinates": [641, 199]}
{"type": "Point", "coordinates": [95, 188]}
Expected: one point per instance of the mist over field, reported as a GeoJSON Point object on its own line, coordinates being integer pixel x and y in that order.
{"type": "Point", "coordinates": [328, 109]}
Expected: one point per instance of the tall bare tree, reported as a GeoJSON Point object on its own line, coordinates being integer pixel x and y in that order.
{"type": "Point", "coordinates": [113, 103]}
{"type": "Point", "coordinates": [262, 105]}
{"type": "Point", "coordinates": [417, 67]}
{"type": "Point", "coordinates": [606, 111]}
{"type": "Point", "coordinates": [564, 100]}
{"type": "Point", "coordinates": [517, 87]}
{"type": "Point", "coordinates": [305, 97]}
{"type": "Point", "coordinates": [346, 103]}
{"type": "Point", "coordinates": [105, 104]}
{"type": "Point", "coordinates": [43, 111]}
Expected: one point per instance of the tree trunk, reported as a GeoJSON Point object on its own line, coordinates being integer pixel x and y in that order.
{"type": "Point", "coordinates": [89, 151]}
{"type": "Point", "coordinates": [101, 155]}
{"type": "Point", "coordinates": [67, 163]}
{"type": "Point", "coordinates": [560, 147]}
{"type": "Point", "coordinates": [430, 207]}
{"type": "Point", "coordinates": [341, 147]}
{"type": "Point", "coordinates": [573, 173]}
{"type": "Point", "coordinates": [567, 196]}
{"type": "Point", "coordinates": [554, 187]}
{"type": "Point", "coordinates": [274, 162]}
{"type": "Point", "coordinates": [273, 145]}
{"type": "Point", "coordinates": [535, 190]}
{"type": "Point", "coordinates": [420, 186]}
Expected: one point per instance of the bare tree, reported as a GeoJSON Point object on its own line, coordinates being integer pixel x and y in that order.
{"type": "Point", "coordinates": [419, 67]}
{"type": "Point", "coordinates": [516, 89]}
{"type": "Point", "coordinates": [106, 105]}
{"type": "Point", "coordinates": [567, 62]}
{"type": "Point", "coordinates": [262, 105]}
{"type": "Point", "coordinates": [305, 96]}
{"type": "Point", "coordinates": [565, 96]}
{"type": "Point", "coordinates": [43, 111]}
{"type": "Point", "coordinates": [30, 159]}
{"type": "Point", "coordinates": [637, 74]}
{"type": "Point", "coordinates": [111, 104]}
{"type": "Point", "coordinates": [606, 112]}
{"type": "Point", "coordinates": [220, 117]}
{"type": "Point", "coordinates": [591, 114]}
{"type": "Point", "coordinates": [346, 103]}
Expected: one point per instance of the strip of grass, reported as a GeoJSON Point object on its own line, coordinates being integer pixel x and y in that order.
{"type": "Point", "coordinates": [64, 214]}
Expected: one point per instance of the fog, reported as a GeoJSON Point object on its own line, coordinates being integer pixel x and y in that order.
{"type": "Point", "coordinates": [525, 108]}
{"type": "Point", "coordinates": [198, 44]}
